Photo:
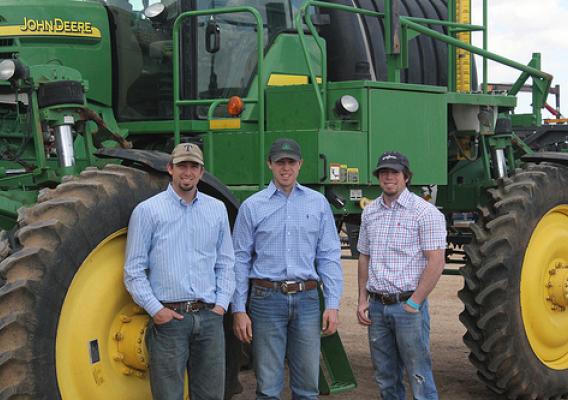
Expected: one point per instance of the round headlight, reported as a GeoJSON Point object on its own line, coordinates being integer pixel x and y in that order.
{"type": "Point", "coordinates": [154, 10]}
{"type": "Point", "coordinates": [7, 69]}
{"type": "Point", "coordinates": [347, 105]}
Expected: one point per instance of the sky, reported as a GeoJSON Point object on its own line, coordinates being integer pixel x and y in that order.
{"type": "Point", "coordinates": [518, 28]}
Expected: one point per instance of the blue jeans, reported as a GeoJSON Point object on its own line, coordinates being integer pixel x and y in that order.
{"type": "Point", "coordinates": [196, 344]}
{"type": "Point", "coordinates": [398, 340]}
{"type": "Point", "coordinates": [285, 325]}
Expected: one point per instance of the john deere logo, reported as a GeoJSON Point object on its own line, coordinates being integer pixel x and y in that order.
{"type": "Point", "coordinates": [51, 27]}
{"type": "Point", "coordinates": [286, 146]}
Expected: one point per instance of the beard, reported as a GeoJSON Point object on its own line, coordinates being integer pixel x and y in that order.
{"type": "Point", "coordinates": [186, 188]}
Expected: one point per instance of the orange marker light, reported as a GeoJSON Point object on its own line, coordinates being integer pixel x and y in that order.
{"type": "Point", "coordinates": [235, 106]}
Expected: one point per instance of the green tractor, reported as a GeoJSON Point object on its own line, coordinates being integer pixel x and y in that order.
{"type": "Point", "coordinates": [94, 94]}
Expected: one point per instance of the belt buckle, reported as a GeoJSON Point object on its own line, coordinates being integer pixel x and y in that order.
{"type": "Point", "coordinates": [284, 286]}
{"type": "Point", "coordinates": [386, 298]}
{"type": "Point", "coordinates": [191, 307]}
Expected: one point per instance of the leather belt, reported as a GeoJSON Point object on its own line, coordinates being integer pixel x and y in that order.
{"type": "Point", "coordinates": [286, 287]}
{"type": "Point", "coordinates": [390, 298]}
{"type": "Point", "coordinates": [189, 306]}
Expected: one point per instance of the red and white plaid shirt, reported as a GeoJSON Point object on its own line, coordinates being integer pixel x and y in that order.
{"type": "Point", "coordinates": [395, 239]}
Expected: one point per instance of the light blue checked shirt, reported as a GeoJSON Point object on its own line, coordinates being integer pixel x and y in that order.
{"type": "Point", "coordinates": [286, 238]}
{"type": "Point", "coordinates": [396, 237]}
{"type": "Point", "coordinates": [179, 252]}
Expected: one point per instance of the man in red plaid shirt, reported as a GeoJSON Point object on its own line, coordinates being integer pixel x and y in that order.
{"type": "Point", "coordinates": [402, 244]}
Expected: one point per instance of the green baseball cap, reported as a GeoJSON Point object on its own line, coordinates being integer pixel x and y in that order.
{"type": "Point", "coordinates": [284, 148]}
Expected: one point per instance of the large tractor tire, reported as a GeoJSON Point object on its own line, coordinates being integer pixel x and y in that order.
{"type": "Point", "coordinates": [516, 286]}
{"type": "Point", "coordinates": [68, 328]}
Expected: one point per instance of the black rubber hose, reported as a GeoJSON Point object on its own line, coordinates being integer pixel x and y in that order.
{"type": "Point", "coordinates": [348, 49]}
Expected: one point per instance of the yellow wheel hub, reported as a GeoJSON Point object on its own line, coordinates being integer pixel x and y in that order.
{"type": "Point", "coordinates": [100, 351]}
{"type": "Point", "coordinates": [544, 289]}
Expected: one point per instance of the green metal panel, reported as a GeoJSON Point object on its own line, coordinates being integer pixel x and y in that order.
{"type": "Point", "coordinates": [414, 123]}
{"type": "Point", "coordinates": [344, 150]}
{"type": "Point", "coordinates": [94, 61]}
{"type": "Point", "coordinates": [356, 121]}
{"type": "Point", "coordinates": [10, 202]}
{"type": "Point", "coordinates": [236, 156]}
{"type": "Point", "coordinates": [290, 108]}
{"type": "Point", "coordinates": [285, 57]}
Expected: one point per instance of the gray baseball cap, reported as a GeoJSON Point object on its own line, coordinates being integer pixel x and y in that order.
{"type": "Point", "coordinates": [284, 148]}
{"type": "Point", "coordinates": [392, 160]}
{"type": "Point", "coordinates": [187, 152]}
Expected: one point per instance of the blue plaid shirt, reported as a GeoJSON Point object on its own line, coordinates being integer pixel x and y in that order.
{"type": "Point", "coordinates": [279, 237]}
{"type": "Point", "coordinates": [179, 252]}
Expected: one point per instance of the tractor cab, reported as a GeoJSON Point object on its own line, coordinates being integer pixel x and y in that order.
{"type": "Point", "coordinates": [218, 52]}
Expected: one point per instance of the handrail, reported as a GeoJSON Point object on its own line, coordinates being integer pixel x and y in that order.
{"type": "Point", "coordinates": [473, 49]}
{"type": "Point", "coordinates": [412, 23]}
{"type": "Point", "coordinates": [260, 68]}
{"type": "Point", "coordinates": [301, 14]}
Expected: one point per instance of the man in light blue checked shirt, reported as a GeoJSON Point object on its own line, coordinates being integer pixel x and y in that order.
{"type": "Point", "coordinates": [402, 244]}
{"type": "Point", "coordinates": [180, 268]}
{"type": "Point", "coordinates": [286, 243]}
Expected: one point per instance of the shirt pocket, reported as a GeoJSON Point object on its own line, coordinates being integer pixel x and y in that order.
{"type": "Point", "coordinates": [404, 238]}
{"type": "Point", "coordinates": [205, 237]}
{"type": "Point", "coordinates": [310, 222]}
{"type": "Point", "coordinates": [309, 228]}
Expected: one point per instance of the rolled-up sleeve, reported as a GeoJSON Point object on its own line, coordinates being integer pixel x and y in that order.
{"type": "Point", "coordinates": [432, 230]}
{"type": "Point", "coordinates": [363, 245]}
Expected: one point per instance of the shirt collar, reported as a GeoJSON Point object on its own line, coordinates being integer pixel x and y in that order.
{"type": "Point", "coordinates": [176, 197]}
{"type": "Point", "coordinates": [403, 200]}
{"type": "Point", "coordinates": [272, 189]}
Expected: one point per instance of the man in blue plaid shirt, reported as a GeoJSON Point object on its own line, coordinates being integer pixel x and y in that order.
{"type": "Point", "coordinates": [402, 244]}
{"type": "Point", "coordinates": [286, 243]}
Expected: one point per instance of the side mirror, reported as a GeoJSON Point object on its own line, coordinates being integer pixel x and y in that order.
{"type": "Point", "coordinates": [212, 36]}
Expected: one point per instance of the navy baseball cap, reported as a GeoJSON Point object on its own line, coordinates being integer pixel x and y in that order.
{"type": "Point", "coordinates": [392, 160]}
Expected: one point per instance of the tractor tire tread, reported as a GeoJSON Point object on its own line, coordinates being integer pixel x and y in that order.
{"type": "Point", "coordinates": [42, 227]}
{"type": "Point", "coordinates": [494, 331]}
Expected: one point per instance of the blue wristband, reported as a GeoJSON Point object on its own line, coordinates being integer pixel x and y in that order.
{"type": "Point", "coordinates": [413, 304]}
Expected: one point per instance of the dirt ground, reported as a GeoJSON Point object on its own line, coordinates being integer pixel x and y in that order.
{"type": "Point", "coordinates": [456, 378]}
